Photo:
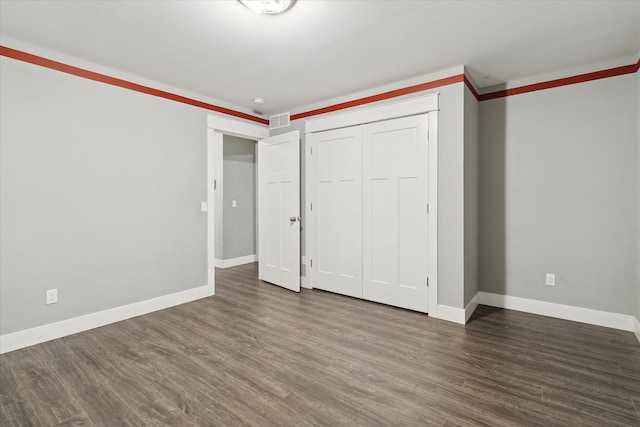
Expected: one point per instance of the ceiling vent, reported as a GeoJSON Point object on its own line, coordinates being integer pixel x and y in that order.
{"type": "Point", "coordinates": [279, 121]}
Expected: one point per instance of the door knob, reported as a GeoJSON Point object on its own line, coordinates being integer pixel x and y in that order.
{"type": "Point", "coordinates": [294, 218]}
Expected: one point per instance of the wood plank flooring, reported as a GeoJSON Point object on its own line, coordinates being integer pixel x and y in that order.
{"type": "Point", "coordinates": [259, 355]}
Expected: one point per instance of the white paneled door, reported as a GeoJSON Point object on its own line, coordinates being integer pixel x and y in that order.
{"type": "Point", "coordinates": [395, 218]}
{"type": "Point", "coordinates": [279, 210]}
{"type": "Point", "coordinates": [370, 211]}
{"type": "Point", "coordinates": [337, 180]}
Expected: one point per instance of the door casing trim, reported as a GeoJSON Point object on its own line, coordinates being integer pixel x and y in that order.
{"type": "Point", "coordinates": [218, 126]}
{"type": "Point", "coordinates": [426, 104]}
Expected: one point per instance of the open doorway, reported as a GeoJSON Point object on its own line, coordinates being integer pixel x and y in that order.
{"type": "Point", "coordinates": [217, 128]}
{"type": "Point", "coordinates": [235, 202]}
{"type": "Point", "coordinates": [277, 208]}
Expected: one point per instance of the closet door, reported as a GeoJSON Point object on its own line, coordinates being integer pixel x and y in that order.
{"type": "Point", "coordinates": [337, 210]}
{"type": "Point", "coordinates": [395, 197]}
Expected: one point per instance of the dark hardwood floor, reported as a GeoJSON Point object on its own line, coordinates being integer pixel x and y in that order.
{"type": "Point", "coordinates": [259, 355]}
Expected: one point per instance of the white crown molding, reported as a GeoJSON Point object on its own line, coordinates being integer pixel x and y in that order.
{"type": "Point", "coordinates": [562, 74]}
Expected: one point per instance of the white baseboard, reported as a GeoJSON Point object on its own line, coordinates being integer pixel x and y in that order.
{"type": "Point", "coordinates": [637, 328]}
{"type": "Point", "coordinates": [607, 319]}
{"type": "Point", "coordinates": [304, 283]}
{"type": "Point", "coordinates": [233, 262]}
{"type": "Point", "coordinates": [471, 307]}
{"type": "Point", "coordinates": [458, 315]}
{"type": "Point", "coordinates": [451, 314]}
{"type": "Point", "coordinates": [40, 334]}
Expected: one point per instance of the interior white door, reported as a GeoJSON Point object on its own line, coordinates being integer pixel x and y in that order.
{"type": "Point", "coordinates": [279, 210]}
{"type": "Point", "coordinates": [395, 218]}
{"type": "Point", "coordinates": [337, 210]}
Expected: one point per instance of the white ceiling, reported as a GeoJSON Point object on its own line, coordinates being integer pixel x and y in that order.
{"type": "Point", "coordinates": [322, 49]}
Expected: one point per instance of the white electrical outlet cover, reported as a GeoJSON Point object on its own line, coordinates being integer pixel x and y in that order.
{"type": "Point", "coordinates": [52, 296]}
{"type": "Point", "coordinates": [551, 280]}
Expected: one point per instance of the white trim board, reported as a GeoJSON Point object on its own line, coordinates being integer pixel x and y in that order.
{"type": "Point", "coordinates": [304, 281]}
{"type": "Point", "coordinates": [607, 319]}
{"type": "Point", "coordinates": [391, 110]}
{"type": "Point", "coordinates": [52, 331]}
{"type": "Point", "coordinates": [216, 127]}
{"type": "Point", "coordinates": [359, 116]}
{"type": "Point", "coordinates": [233, 262]}
{"type": "Point", "coordinates": [457, 315]}
{"type": "Point", "coordinates": [451, 314]}
{"type": "Point", "coordinates": [433, 216]}
{"type": "Point", "coordinates": [471, 307]}
{"type": "Point", "coordinates": [637, 328]}
{"type": "Point", "coordinates": [237, 127]}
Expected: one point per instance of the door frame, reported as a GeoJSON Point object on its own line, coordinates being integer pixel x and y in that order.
{"type": "Point", "coordinates": [218, 126]}
{"type": "Point", "coordinates": [421, 105]}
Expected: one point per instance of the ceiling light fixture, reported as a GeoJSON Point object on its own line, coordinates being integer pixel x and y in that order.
{"type": "Point", "coordinates": [268, 7]}
{"type": "Point", "coordinates": [258, 101]}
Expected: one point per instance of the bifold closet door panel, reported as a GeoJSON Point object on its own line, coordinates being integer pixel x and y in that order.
{"type": "Point", "coordinates": [395, 197]}
{"type": "Point", "coordinates": [337, 210]}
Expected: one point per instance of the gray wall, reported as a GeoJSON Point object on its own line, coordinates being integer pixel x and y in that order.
{"type": "Point", "coordinates": [559, 194]}
{"type": "Point", "coordinates": [451, 196]}
{"type": "Point", "coordinates": [471, 112]}
{"type": "Point", "coordinates": [239, 223]}
{"type": "Point", "coordinates": [100, 191]}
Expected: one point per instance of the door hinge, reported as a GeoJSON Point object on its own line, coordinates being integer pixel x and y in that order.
{"type": "Point", "coordinates": [310, 206]}
{"type": "Point", "coordinates": [427, 282]}
{"type": "Point", "coordinates": [311, 150]}
{"type": "Point", "coordinates": [214, 184]}
{"type": "Point", "coordinates": [427, 207]}
{"type": "Point", "coordinates": [310, 263]}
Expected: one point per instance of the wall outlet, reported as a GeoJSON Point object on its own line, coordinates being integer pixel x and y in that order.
{"type": "Point", "coordinates": [551, 280]}
{"type": "Point", "coordinates": [203, 206]}
{"type": "Point", "coordinates": [234, 204]}
{"type": "Point", "coordinates": [52, 296]}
